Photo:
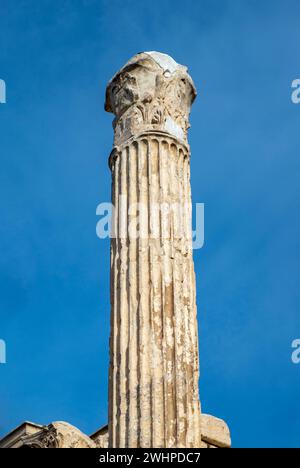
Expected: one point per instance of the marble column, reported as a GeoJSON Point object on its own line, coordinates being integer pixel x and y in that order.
{"type": "Point", "coordinates": [154, 368]}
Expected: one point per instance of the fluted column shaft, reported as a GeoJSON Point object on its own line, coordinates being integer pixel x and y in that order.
{"type": "Point", "coordinates": [154, 398]}
{"type": "Point", "coordinates": [153, 379]}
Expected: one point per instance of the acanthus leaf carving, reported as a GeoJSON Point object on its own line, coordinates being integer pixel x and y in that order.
{"type": "Point", "coordinates": [145, 97]}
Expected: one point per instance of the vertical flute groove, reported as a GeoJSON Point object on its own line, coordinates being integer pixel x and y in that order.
{"type": "Point", "coordinates": [144, 312]}
{"type": "Point", "coordinates": [133, 439]}
{"type": "Point", "coordinates": [156, 298]}
{"type": "Point", "coordinates": [123, 312]}
{"type": "Point", "coordinates": [168, 304]}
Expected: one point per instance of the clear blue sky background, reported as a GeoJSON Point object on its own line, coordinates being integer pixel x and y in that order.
{"type": "Point", "coordinates": [56, 57]}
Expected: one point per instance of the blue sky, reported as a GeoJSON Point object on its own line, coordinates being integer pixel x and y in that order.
{"type": "Point", "coordinates": [56, 58]}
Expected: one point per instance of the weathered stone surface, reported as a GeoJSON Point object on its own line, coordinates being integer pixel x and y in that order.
{"type": "Point", "coordinates": [66, 436]}
{"type": "Point", "coordinates": [100, 437]}
{"type": "Point", "coordinates": [16, 437]}
{"type": "Point", "coordinates": [215, 432]}
{"type": "Point", "coordinates": [55, 435]}
{"type": "Point", "coordinates": [154, 370]}
{"type": "Point", "coordinates": [151, 92]}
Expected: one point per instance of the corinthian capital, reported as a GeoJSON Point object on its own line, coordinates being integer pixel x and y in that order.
{"type": "Point", "coordinates": [151, 93]}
